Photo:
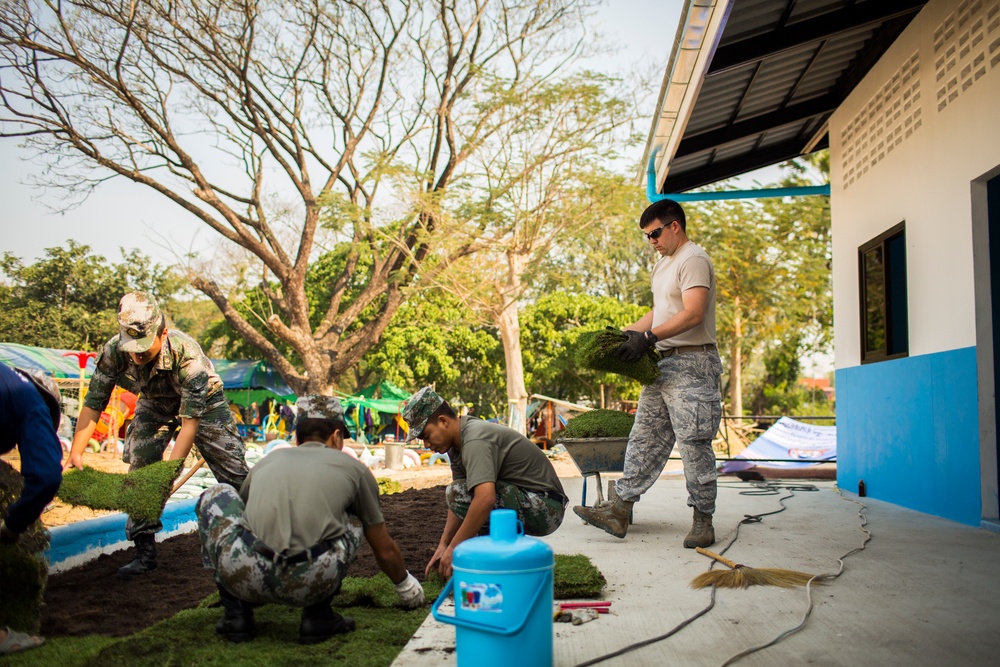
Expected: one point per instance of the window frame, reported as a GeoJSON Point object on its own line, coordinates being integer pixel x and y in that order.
{"type": "Point", "coordinates": [881, 241]}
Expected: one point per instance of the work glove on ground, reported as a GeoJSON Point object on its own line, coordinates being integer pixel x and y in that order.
{"type": "Point", "coordinates": [636, 345]}
{"type": "Point", "coordinates": [410, 592]}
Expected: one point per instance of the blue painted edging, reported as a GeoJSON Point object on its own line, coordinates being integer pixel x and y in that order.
{"type": "Point", "coordinates": [910, 429]}
{"type": "Point", "coordinates": [79, 542]}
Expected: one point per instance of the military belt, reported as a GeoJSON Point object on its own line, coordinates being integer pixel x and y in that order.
{"type": "Point", "coordinates": [312, 553]}
{"type": "Point", "coordinates": [671, 351]}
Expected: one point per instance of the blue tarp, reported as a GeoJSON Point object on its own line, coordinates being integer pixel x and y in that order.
{"type": "Point", "coordinates": [247, 381]}
{"type": "Point", "coordinates": [43, 359]}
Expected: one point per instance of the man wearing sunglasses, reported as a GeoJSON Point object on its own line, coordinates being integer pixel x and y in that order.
{"type": "Point", "coordinates": [684, 406]}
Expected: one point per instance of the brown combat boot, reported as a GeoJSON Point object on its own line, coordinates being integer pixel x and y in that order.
{"type": "Point", "coordinates": [702, 533]}
{"type": "Point", "coordinates": [612, 518]}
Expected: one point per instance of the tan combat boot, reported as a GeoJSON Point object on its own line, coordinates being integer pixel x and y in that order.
{"type": "Point", "coordinates": [612, 518]}
{"type": "Point", "coordinates": [702, 533]}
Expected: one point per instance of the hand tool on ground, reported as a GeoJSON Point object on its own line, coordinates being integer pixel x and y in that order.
{"type": "Point", "coordinates": [741, 576]}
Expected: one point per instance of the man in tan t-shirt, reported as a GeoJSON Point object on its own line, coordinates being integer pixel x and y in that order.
{"type": "Point", "coordinates": [492, 467]}
{"type": "Point", "coordinates": [684, 406]}
{"type": "Point", "coordinates": [290, 534]}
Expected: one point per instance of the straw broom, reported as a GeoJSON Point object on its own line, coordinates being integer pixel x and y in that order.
{"type": "Point", "coordinates": [741, 576]}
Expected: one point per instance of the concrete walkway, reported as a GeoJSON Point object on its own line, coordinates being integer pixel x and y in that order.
{"type": "Point", "coordinates": [925, 590]}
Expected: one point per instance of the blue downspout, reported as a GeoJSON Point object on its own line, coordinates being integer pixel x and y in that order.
{"type": "Point", "coordinates": [653, 196]}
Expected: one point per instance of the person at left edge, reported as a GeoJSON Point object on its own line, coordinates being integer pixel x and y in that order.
{"type": "Point", "coordinates": [29, 418]}
{"type": "Point", "coordinates": [179, 391]}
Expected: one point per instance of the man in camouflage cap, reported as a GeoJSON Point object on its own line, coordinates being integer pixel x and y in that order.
{"type": "Point", "coordinates": [178, 388]}
{"type": "Point", "coordinates": [291, 532]}
{"type": "Point", "coordinates": [492, 467]}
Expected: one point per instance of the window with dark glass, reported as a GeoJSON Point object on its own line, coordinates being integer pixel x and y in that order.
{"type": "Point", "coordinates": [882, 273]}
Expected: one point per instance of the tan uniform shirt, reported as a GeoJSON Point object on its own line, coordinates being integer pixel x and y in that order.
{"type": "Point", "coordinates": [299, 497]}
{"type": "Point", "coordinates": [494, 453]}
{"type": "Point", "coordinates": [689, 267]}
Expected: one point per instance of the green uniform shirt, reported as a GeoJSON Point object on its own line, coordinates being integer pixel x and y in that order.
{"type": "Point", "coordinates": [299, 497]}
{"type": "Point", "coordinates": [180, 380]}
{"type": "Point", "coordinates": [494, 453]}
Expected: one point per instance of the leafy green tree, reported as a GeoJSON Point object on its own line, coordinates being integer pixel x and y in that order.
{"type": "Point", "coordinates": [431, 341]}
{"type": "Point", "coordinates": [772, 263]}
{"type": "Point", "coordinates": [552, 325]}
{"type": "Point", "coordinates": [69, 298]}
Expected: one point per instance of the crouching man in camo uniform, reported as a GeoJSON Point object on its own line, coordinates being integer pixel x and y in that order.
{"type": "Point", "coordinates": [492, 467]}
{"type": "Point", "coordinates": [179, 391]}
{"type": "Point", "coordinates": [291, 532]}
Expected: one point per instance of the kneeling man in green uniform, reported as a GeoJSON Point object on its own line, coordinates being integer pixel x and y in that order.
{"type": "Point", "coordinates": [492, 467]}
{"type": "Point", "coordinates": [291, 532]}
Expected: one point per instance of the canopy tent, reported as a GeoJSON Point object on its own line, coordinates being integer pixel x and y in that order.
{"type": "Point", "coordinates": [44, 359]}
{"type": "Point", "coordinates": [788, 444]}
{"type": "Point", "coordinates": [375, 408]}
{"type": "Point", "coordinates": [247, 381]}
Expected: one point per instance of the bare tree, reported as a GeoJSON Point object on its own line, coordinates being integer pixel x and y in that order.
{"type": "Point", "coordinates": [365, 111]}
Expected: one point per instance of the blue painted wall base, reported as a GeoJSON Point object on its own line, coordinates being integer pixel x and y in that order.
{"type": "Point", "coordinates": [910, 429]}
{"type": "Point", "coordinates": [77, 543]}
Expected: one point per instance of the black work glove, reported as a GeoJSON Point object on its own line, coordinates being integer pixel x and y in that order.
{"type": "Point", "coordinates": [635, 345]}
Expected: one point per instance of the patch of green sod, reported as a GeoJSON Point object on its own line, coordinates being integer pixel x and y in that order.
{"type": "Point", "coordinates": [599, 424]}
{"type": "Point", "coordinates": [598, 350]}
{"type": "Point", "coordinates": [141, 493]}
{"type": "Point", "coordinates": [23, 570]}
{"type": "Point", "coordinates": [387, 487]}
{"type": "Point", "coordinates": [189, 638]}
{"type": "Point", "coordinates": [576, 577]}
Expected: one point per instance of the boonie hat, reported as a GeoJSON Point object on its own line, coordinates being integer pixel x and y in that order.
{"type": "Point", "coordinates": [419, 409]}
{"type": "Point", "coordinates": [139, 319]}
{"type": "Point", "coordinates": [316, 406]}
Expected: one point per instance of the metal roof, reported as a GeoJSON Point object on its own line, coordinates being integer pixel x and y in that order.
{"type": "Point", "coordinates": [751, 83]}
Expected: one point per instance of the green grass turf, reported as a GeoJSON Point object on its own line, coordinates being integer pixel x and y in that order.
{"type": "Point", "coordinates": [141, 493]}
{"type": "Point", "coordinates": [599, 424]}
{"type": "Point", "coordinates": [189, 637]}
{"type": "Point", "coordinates": [598, 350]}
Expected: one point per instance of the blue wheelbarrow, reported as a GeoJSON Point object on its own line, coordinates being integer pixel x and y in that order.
{"type": "Point", "coordinates": [594, 456]}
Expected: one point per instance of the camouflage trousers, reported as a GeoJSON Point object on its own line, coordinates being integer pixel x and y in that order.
{"type": "Point", "coordinates": [539, 514]}
{"type": "Point", "coordinates": [217, 440]}
{"type": "Point", "coordinates": [684, 406]}
{"type": "Point", "coordinates": [255, 578]}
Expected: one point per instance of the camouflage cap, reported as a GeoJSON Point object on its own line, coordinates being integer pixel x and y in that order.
{"type": "Point", "coordinates": [49, 390]}
{"type": "Point", "coordinates": [139, 318]}
{"type": "Point", "coordinates": [315, 406]}
{"type": "Point", "coordinates": [419, 409]}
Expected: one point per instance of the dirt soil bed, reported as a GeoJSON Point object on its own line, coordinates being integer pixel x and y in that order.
{"type": "Point", "coordinates": [93, 600]}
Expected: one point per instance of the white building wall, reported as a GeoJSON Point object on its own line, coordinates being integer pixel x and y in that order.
{"type": "Point", "coordinates": [905, 146]}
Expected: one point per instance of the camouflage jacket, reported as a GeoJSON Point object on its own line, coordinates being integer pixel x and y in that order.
{"type": "Point", "coordinates": [180, 380]}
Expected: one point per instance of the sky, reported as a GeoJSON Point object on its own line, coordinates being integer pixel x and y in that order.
{"type": "Point", "coordinates": [124, 214]}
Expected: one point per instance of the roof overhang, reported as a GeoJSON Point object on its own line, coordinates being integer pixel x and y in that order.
{"type": "Point", "coordinates": [751, 83]}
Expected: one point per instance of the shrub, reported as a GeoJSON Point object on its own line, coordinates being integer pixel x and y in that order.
{"type": "Point", "coordinates": [599, 424]}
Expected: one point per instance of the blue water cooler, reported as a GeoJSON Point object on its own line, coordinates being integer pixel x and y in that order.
{"type": "Point", "coordinates": [502, 587]}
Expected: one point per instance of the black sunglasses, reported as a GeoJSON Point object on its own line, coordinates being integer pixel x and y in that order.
{"type": "Point", "coordinates": [655, 234]}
